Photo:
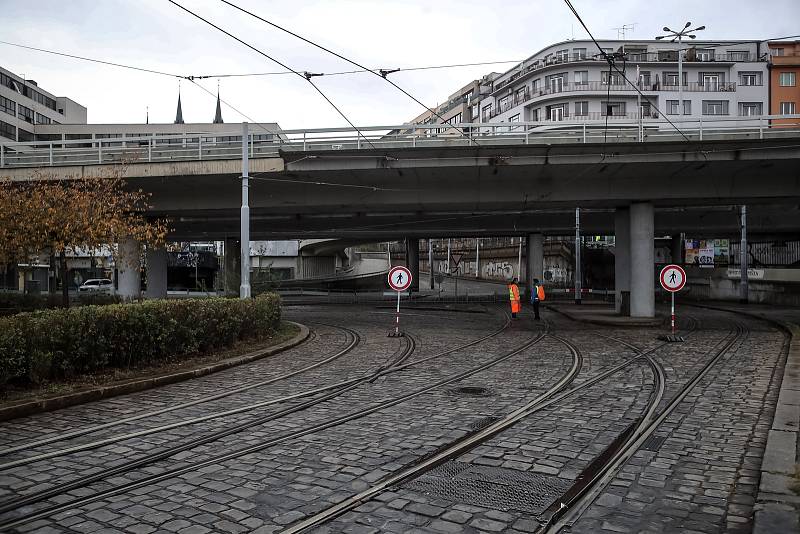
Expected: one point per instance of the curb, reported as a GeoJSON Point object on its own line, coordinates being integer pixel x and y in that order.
{"type": "Point", "coordinates": [71, 399]}
{"type": "Point", "coordinates": [777, 507]}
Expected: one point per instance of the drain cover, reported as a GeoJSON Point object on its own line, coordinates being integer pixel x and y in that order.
{"type": "Point", "coordinates": [653, 443]}
{"type": "Point", "coordinates": [491, 487]}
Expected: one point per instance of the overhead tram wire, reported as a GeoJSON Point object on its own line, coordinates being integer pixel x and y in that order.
{"type": "Point", "coordinates": [611, 63]}
{"type": "Point", "coordinates": [241, 113]}
{"type": "Point", "coordinates": [306, 76]}
{"type": "Point", "coordinates": [380, 73]}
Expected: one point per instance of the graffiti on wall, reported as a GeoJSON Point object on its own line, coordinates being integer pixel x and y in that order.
{"type": "Point", "coordinates": [502, 270]}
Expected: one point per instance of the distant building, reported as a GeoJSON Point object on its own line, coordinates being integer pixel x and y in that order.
{"type": "Point", "coordinates": [25, 108]}
{"type": "Point", "coordinates": [571, 81]}
{"type": "Point", "coordinates": [784, 90]}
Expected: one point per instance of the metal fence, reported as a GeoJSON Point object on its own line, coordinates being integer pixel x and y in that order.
{"type": "Point", "coordinates": [198, 146]}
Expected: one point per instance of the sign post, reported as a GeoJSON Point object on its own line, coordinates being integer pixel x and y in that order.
{"type": "Point", "coordinates": [399, 280]}
{"type": "Point", "coordinates": [673, 278]}
{"type": "Point", "coordinates": [456, 261]}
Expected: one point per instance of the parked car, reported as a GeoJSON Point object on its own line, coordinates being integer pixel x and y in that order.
{"type": "Point", "coordinates": [99, 285]}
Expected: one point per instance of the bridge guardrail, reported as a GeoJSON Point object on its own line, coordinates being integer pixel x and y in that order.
{"type": "Point", "coordinates": [200, 146]}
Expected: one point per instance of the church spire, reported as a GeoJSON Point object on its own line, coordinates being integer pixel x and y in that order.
{"type": "Point", "coordinates": [218, 114]}
{"type": "Point", "coordinates": [179, 113]}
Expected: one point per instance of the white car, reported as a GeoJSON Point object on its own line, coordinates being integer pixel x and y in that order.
{"type": "Point", "coordinates": [96, 285]}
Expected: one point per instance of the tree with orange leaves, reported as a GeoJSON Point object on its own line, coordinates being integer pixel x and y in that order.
{"type": "Point", "coordinates": [49, 214]}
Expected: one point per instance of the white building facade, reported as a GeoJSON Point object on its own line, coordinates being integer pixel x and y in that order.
{"type": "Point", "coordinates": [570, 81]}
{"type": "Point", "coordinates": [25, 108]}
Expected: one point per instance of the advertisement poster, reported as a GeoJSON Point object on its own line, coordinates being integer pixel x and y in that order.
{"type": "Point", "coordinates": [705, 254]}
{"type": "Point", "coordinates": [692, 246]}
{"type": "Point", "coordinates": [721, 251]}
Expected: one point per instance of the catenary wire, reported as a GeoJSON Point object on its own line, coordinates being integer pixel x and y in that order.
{"type": "Point", "coordinates": [256, 123]}
{"type": "Point", "coordinates": [380, 74]}
{"type": "Point", "coordinates": [635, 86]}
{"type": "Point", "coordinates": [306, 76]}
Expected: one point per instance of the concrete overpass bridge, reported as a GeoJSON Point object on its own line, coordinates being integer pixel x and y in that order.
{"type": "Point", "coordinates": [484, 185]}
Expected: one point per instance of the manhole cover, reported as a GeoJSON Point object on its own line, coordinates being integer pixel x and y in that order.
{"type": "Point", "coordinates": [473, 391]}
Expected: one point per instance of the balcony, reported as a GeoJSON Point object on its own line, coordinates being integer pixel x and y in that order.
{"type": "Point", "coordinates": [787, 59]}
{"type": "Point", "coordinates": [714, 87]}
{"type": "Point", "coordinates": [644, 57]}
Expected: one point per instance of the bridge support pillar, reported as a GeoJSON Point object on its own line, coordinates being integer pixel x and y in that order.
{"type": "Point", "coordinates": [129, 277]}
{"type": "Point", "coordinates": [643, 297]}
{"type": "Point", "coordinates": [233, 253]}
{"type": "Point", "coordinates": [156, 261]}
{"type": "Point", "coordinates": [412, 262]}
{"type": "Point", "coordinates": [676, 248]}
{"type": "Point", "coordinates": [534, 256]}
{"type": "Point", "coordinates": [622, 260]}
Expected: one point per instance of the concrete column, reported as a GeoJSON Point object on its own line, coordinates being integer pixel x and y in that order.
{"type": "Point", "coordinates": [412, 262]}
{"type": "Point", "coordinates": [156, 261]}
{"type": "Point", "coordinates": [129, 276]}
{"type": "Point", "coordinates": [233, 252]}
{"type": "Point", "coordinates": [534, 256]}
{"type": "Point", "coordinates": [676, 248]}
{"type": "Point", "coordinates": [643, 298]}
{"type": "Point", "coordinates": [622, 255]}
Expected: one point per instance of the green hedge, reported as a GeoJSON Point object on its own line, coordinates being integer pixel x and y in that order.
{"type": "Point", "coordinates": [63, 342]}
{"type": "Point", "coordinates": [12, 302]}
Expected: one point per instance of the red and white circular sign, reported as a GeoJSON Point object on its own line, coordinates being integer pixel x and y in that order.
{"type": "Point", "coordinates": [673, 278]}
{"type": "Point", "coordinates": [399, 278]}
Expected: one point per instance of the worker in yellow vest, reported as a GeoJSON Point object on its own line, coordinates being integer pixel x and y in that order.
{"type": "Point", "coordinates": [537, 296]}
{"type": "Point", "coordinates": [513, 294]}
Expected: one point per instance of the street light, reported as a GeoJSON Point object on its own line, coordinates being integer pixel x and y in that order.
{"type": "Point", "coordinates": [679, 35]}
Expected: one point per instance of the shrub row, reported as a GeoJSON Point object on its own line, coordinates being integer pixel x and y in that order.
{"type": "Point", "coordinates": [63, 342]}
{"type": "Point", "coordinates": [12, 302]}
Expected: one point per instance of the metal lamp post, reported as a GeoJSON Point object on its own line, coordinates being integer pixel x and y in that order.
{"type": "Point", "coordinates": [679, 35]}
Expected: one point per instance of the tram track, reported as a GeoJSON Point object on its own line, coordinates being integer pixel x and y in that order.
{"type": "Point", "coordinates": [353, 340]}
{"type": "Point", "coordinates": [396, 364]}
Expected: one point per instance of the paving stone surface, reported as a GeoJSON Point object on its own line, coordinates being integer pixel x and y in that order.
{"type": "Point", "coordinates": [702, 477]}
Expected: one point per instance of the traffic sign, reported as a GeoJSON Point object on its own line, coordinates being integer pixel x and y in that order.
{"type": "Point", "coordinates": [673, 278]}
{"type": "Point", "coordinates": [456, 259]}
{"type": "Point", "coordinates": [399, 278]}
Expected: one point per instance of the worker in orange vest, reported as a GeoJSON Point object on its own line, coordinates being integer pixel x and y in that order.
{"type": "Point", "coordinates": [513, 294]}
{"type": "Point", "coordinates": [537, 296]}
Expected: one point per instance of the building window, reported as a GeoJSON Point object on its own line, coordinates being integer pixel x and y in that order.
{"type": "Point", "coordinates": [24, 136]}
{"type": "Point", "coordinates": [487, 112]}
{"type": "Point", "coordinates": [750, 78]}
{"type": "Point", "coordinates": [777, 51]}
{"type": "Point", "coordinates": [557, 112]}
{"type": "Point", "coordinates": [581, 109]}
{"type": "Point", "coordinates": [555, 82]}
{"type": "Point", "coordinates": [711, 80]}
{"type": "Point", "coordinates": [535, 84]}
{"type": "Point", "coordinates": [562, 55]}
{"type": "Point", "coordinates": [672, 107]}
{"type": "Point", "coordinates": [749, 109]}
{"type": "Point", "coordinates": [705, 54]}
{"type": "Point", "coordinates": [787, 108]}
{"type": "Point", "coordinates": [687, 107]}
{"type": "Point", "coordinates": [8, 105]}
{"type": "Point", "coordinates": [578, 53]}
{"type": "Point", "coordinates": [582, 77]}
{"type": "Point", "coordinates": [41, 119]}
{"type": "Point", "coordinates": [615, 77]}
{"type": "Point", "coordinates": [786, 79]}
{"type": "Point", "coordinates": [521, 95]}
{"type": "Point", "coordinates": [535, 114]}
{"type": "Point", "coordinates": [715, 107]}
{"type": "Point", "coordinates": [738, 55]}
{"type": "Point", "coordinates": [24, 113]}
{"type": "Point", "coordinates": [644, 78]}
{"type": "Point", "coordinates": [473, 112]}
{"type": "Point", "coordinates": [7, 130]}
{"type": "Point", "coordinates": [455, 119]}
{"type": "Point", "coordinates": [612, 109]}
{"type": "Point", "coordinates": [671, 78]}
{"type": "Point", "coordinates": [504, 103]}
{"type": "Point", "coordinates": [668, 55]}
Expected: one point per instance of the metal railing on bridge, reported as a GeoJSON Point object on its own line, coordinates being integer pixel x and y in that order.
{"type": "Point", "coordinates": [200, 146]}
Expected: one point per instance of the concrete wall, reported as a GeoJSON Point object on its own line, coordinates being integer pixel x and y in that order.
{"type": "Point", "coordinates": [778, 286]}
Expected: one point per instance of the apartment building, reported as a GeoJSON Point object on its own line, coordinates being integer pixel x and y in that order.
{"type": "Point", "coordinates": [784, 92]}
{"type": "Point", "coordinates": [460, 107]}
{"type": "Point", "coordinates": [571, 81]}
{"type": "Point", "coordinates": [25, 108]}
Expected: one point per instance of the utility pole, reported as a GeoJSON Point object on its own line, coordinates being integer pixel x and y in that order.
{"type": "Point", "coordinates": [244, 288]}
{"type": "Point", "coordinates": [448, 257]}
{"type": "Point", "coordinates": [519, 260]}
{"type": "Point", "coordinates": [430, 260]}
{"type": "Point", "coordinates": [679, 35]}
{"type": "Point", "coordinates": [743, 260]}
{"type": "Point", "coordinates": [477, 256]}
{"type": "Point", "coordinates": [578, 256]}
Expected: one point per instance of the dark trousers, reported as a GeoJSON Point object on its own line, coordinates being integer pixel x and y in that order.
{"type": "Point", "coordinates": [536, 309]}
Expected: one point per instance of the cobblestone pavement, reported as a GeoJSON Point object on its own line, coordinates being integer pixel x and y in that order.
{"type": "Point", "coordinates": [699, 474]}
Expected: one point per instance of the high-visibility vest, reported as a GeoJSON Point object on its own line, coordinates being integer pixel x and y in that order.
{"type": "Point", "coordinates": [513, 292]}
{"type": "Point", "coordinates": [537, 293]}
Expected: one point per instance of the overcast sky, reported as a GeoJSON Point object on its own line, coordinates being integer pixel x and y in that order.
{"type": "Point", "coordinates": [377, 33]}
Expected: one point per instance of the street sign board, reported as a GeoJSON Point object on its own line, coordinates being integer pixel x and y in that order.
{"type": "Point", "coordinates": [399, 278]}
{"type": "Point", "coordinates": [673, 278]}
